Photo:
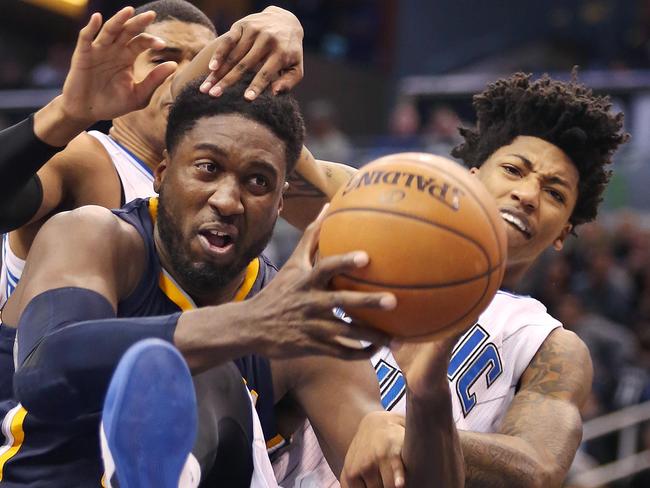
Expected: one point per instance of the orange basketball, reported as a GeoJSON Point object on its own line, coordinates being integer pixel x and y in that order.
{"type": "Point", "coordinates": [434, 236]}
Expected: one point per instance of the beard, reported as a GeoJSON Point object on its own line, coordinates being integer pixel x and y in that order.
{"type": "Point", "coordinates": [203, 276]}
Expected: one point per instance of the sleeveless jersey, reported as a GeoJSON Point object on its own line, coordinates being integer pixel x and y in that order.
{"type": "Point", "coordinates": [136, 179]}
{"type": "Point", "coordinates": [484, 371]}
{"type": "Point", "coordinates": [68, 455]}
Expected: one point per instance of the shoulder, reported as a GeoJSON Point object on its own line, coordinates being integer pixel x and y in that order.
{"type": "Point", "coordinates": [517, 311]}
{"type": "Point", "coordinates": [83, 150]}
{"type": "Point", "coordinates": [561, 368]}
{"type": "Point", "coordinates": [93, 227]}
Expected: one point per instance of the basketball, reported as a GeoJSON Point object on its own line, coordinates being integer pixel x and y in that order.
{"type": "Point", "coordinates": [434, 237]}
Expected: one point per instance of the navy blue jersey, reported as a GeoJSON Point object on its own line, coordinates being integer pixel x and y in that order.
{"type": "Point", "coordinates": [44, 455]}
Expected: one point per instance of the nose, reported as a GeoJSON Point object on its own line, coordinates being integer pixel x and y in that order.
{"type": "Point", "coordinates": [526, 193]}
{"type": "Point", "coordinates": [226, 197]}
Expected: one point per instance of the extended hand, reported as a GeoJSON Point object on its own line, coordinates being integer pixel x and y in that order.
{"type": "Point", "coordinates": [424, 364]}
{"type": "Point", "coordinates": [374, 458]}
{"type": "Point", "coordinates": [272, 38]}
{"type": "Point", "coordinates": [293, 315]}
{"type": "Point", "coordinates": [100, 84]}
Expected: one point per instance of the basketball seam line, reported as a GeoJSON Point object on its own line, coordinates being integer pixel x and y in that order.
{"type": "Point", "coordinates": [417, 219]}
{"type": "Point", "coordinates": [424, 286]}
{"type": "Point", "coordinates": [496, 235]}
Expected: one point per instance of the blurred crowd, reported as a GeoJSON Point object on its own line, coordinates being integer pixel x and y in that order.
{"type": "Point", "coordinates": [599, 287]}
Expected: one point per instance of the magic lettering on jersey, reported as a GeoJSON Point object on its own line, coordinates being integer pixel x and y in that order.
{"type": "Point", "coordinates": [473, 358]}
{"type": "Point", "coordinates": [445, 192]}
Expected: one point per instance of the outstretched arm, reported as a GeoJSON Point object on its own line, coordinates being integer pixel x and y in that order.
{"type": "Point", "coordinates": [99, 86]}
{"type": "Point", "coordinates": [542, 429]}
{"type": "Point", "coordinates": [269, 42]}
{"type": "Point", "coordinates": [422, 449]}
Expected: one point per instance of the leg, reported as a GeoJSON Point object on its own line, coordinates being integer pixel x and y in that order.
{"type": "Point", "coordinates": [149, 419]}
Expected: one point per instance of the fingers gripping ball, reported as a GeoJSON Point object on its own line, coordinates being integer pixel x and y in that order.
{"type": "Point", "coordinates": [434, 237]}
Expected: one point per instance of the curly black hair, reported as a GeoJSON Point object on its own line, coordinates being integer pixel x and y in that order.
{"type": "Point", "coordinates": [566, 114]}
{"type": "Point", "coordinates": [280, 113]}
{"type": "Point", "coordinates": [177, 10]}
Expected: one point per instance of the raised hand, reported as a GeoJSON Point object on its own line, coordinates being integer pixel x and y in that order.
{"type": "Point", "coordinates": [269, 42]}
{"type": "Point", "coordinates": [424, 364]}
{"type": "Point", "coordinates": [100, 84]}
{"type": "Point", "coordinates": [293, 314]}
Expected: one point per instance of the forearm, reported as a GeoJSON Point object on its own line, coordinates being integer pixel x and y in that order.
{"type": "Point", "coordinates": [210, 336]}
{"type": "Point", "coordinates": [311, 185]}
{"type": "Point", "coordinates": [68, 344]}
{"type": "Point", "coordinates": [495, 460]}
{"type": "Point", "coordinates": [55, 127]}
{"type": "Point", "coordinates": [430, 429]}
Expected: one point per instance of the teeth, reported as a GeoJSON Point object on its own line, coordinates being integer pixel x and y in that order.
{"type": "Point", "coordinates": [218, 233]}
{"type": "Point", "coordinates": [515, 221]}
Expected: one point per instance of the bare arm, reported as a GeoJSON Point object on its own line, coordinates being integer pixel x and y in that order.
{"type": "Point", "coordinates": [422, 449]}
{"type": "Point", "coordinates": [542, 429]}
{"type": "Point", "coordinates": [271, 38]}
{"type": "Point", "coordinates": [99, 86]}
{"type": "Point", "coordinates": [335, 396]}
{"type": "Point", "coordinates": [312, 184]}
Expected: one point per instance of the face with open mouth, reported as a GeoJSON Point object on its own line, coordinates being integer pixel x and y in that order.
{"type": "Point", "coordinates": [536, 188]}
{"type": "Point", "coordinates": [220, 195]}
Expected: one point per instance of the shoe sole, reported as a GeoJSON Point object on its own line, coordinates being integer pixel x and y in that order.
{"type": "Point", "coordinates": [150, 416]}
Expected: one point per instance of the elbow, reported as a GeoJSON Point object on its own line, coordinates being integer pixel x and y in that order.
{"type": "Point", "coordinates": [42, 387]}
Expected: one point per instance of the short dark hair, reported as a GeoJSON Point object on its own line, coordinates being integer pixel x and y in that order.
{"type": "Point", "coordinates": [177, 10]}
{"type": "Point", "coordinates": [280, 113]}
{"type": "Point", "coordinates": [566, 114]}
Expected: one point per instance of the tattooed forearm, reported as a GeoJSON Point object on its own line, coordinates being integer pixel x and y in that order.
{"type": "Point", "coordinates": [494, 461]}
{"type": "Point", "coordinates": [541, 430]}
{"type": "Point", "coordinates": [301, 187]}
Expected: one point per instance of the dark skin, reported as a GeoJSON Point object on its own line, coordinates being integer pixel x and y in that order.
{"type": "Point", "coordinates": [525, 451]}
{"type": "Point", "coordinates": [124, 75]}
{"type": "Point", "coordinates": [228, 173]}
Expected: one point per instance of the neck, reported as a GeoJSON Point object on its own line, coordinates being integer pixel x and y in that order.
{"type": "Point", "coordinates": [141, 147]}
{"type": "Point", "coordinates": [201, 297]}
{"type": "Point", "coordinates": [513, 275]}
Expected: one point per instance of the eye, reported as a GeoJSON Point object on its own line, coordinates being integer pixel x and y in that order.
{"type": "Point", "coordinates": [206, 166]}
{"type": "Point", "coordinates": [556, 195]}
{"type": "Point", "coordinates": [512, 170]}
{"type": "Point", "coordinates": [259, 183]}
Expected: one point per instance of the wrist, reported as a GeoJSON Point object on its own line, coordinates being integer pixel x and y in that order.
{"type": "Point", "coordinates": [55, 126]}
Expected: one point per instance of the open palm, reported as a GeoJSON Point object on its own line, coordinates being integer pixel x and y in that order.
{"type": "Point", "coordinates": [100, 84]}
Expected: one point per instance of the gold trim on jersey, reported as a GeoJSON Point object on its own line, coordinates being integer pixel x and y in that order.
{"type": "Point", "coordinates": [12, 428]}
{"type": "Point", "coordinates": [176, 294]}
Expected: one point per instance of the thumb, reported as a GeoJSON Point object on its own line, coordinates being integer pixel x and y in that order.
{"type": "Point", "coordinates": [153, 80]}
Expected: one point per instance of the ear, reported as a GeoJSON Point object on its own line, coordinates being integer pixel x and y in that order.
{"type": "Point", "coordinates": [285, 187]}
{"type": "Point", "coordinates": [159, 172]}
{"type": "Point", "coordinates": [558, 243]}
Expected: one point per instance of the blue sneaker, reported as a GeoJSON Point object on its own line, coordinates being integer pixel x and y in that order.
{"type": "Point", "coordinates": [149, 421]}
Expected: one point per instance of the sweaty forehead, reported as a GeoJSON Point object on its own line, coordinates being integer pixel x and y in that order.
{"type": "Point", "coordinates": [187, 36]}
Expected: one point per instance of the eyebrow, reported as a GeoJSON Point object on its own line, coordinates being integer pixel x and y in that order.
{"type": "Point", "coordinates": [166, 50]}
{"type": "Point", "coordinates": [550, 179]}
{"type": "Point", "coordinates": [262, 164]}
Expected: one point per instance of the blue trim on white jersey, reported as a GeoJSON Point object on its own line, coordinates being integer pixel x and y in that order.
{"type": "Point", "coordinates": [141, 165]}
{"type": "Point", "coordinates": [512, 294]}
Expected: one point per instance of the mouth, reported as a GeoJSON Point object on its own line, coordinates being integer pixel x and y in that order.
{"type": "Point", "coordinates": [518, 221]}
{"type": "Point", "coordinates": [218, 242]}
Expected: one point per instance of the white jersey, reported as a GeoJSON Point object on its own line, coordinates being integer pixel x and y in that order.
{"type": "Point", "coordinates": [486, 363]}
{"type": "Point", "coordinates": [137, 182]}
{"type": "Point", "coordinates": [484, 370]}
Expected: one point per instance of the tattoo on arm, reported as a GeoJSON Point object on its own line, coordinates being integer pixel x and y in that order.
{"type": "Point", "coordinates": [541, 431]}
{"type": "Point", "coordinates": [301, 187]}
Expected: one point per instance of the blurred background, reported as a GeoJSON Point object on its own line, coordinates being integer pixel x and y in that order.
{"type": "Point", "coordinates": [386, 76]}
